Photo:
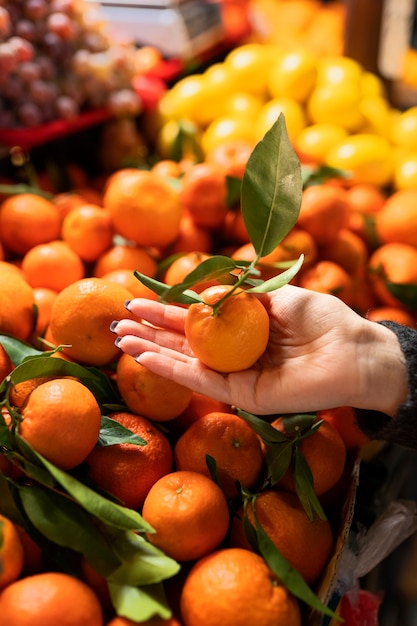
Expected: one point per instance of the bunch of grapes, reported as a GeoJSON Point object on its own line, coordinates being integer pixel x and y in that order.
{"type": "Point", "coordinates": [57, 59]}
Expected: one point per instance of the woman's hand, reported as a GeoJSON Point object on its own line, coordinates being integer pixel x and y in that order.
{"type": "Point", "coordinates": [321, 354]}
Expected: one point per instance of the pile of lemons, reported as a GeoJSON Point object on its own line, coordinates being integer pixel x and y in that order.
{"type": "Point", "coordinates": [337, 113]}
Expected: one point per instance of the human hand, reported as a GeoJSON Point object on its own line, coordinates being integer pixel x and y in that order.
{"type": "Point", "coordinates": [321, 354]}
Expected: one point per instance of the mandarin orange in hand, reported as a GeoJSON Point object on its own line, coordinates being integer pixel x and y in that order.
{"type": "Point", "coordinates": [126, 470]}
{"type": "Point", "coordinates": [49, 599]}
{"type": "Point", "coordinates": [230, 441]}
{"type": "Point", "coordinates": [189, 514]}
{"type": "Point", "coordinates": [61, 420]}
{"type": "Point", "coordinates": [235, 587]}
{"type": "Point", "coordinates": [144, 208]}
{"type": "Point", "coordinates": [230, 336]}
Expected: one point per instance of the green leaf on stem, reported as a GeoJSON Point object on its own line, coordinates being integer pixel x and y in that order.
{"type": "Point", "coordinates": [304, 487]}
{"type": "Point", "coordinates": [161, 288]}
{"type": "Point", "coordinates": [276, 282]}
{"type": "Point", "coordinates": [112, 432]}
{"type": "Point", "coordinates": [139, 604]}
{"type": "Point", "coordinates": [271, 189]}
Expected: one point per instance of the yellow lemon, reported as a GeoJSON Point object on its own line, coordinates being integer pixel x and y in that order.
{"type": "Point", "coordinates": [184, 99]}
{"type": "Point", "coordinates": [338, 70]}
{"type": "Point", "coordinates": [376, 112]}
{"type": "Point", "coordinates": [225, 129]}
{"type": "Point", "coordinates": [338, 104]}
{"type": "Point", "coordinates": [249, 66]}
{"type": "Point", "coordinates": [372, 85]}
{"type": "Point", "coordinates": [293, 75]}
{"type": "Point", "coordinates": [367, 157]}
{"type": "Point", "coordinates": [292, 111]}
{"type": "Point", "coordinates": [217, 86]}
{"type": "Point", "coordinates": [405, 171]}
{"type": "Point", "coordinates": [243, 104]}
{"type": "Point", "coordinates": [314, 142]}
{"type": "Point", "coordinates": [404, 128]}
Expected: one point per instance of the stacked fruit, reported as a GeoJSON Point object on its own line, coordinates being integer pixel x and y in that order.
{"type": "Point", "coordinates": [57, 58]}
{"type": "Point", "coordinates": [337, 113]}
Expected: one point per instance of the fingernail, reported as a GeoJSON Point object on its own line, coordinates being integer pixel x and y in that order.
{"type": "Point", "coordinates": [113, 325]}
{"type": "Point", "coordinates": [126, 304]}
{"type": "Point", "coordinates": [117, 341]}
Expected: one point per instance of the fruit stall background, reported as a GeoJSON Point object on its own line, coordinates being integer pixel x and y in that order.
{"type": "Point", "coordinates": [358, 136]}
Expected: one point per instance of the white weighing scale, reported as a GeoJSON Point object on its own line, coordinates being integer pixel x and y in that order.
{"type": "Point", "coordinates": [177, 28]}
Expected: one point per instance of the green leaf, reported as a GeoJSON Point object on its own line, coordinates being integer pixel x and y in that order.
{"type": "Point", "coordinates": [17, 350]}
{"type": "Point", "coordinates": [278, 460]}
{"type": "Point", "coordinates": [112, 432]}
{"type": "Point", "coordinates": [65, 523]}
{"type": "Point", "coordinates": [268, 433]}
{"type": "Point", "coordinates": [214, 267]}
{"type": "Point", "coordinates": [8, 503]}
{"type": "Point", "coordinates": [321, 174]}
{"type": "Point", "coordinates": [139, 605]}
{"type": "Point", "coordinates": [288, 575]}
{"type": "Point", "coordinates": [105, 510]}
{"type": "Point", "coordinates": [276, 282]}
{"type": "Point", "coordinates": [271, 189]}
{"type": "Point", "coordinates": [406, 294]}
{"type": "Point", "coordinates": [161, 288]}
{"type": "Point", "coordinates": [304, 487]}
{"type": "Point", "coordinates": [300, 422]}
{"type": "Point", "coordinates": [234, 188]}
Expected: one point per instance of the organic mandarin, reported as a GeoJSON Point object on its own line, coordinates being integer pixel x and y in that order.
{"type": "Point", "coordinates": [392, 263]}
{"type": "Point", "coordinates": [235, 587]}
{"type": "Point", "coordinates": [144, 208]}
{"type": "Point", "coordinates": [324, 211]}
{"type": "Point", "coordinates": [396, 222]}
{"type": "Point", "coordinates": [127, 470]}
{"type": "Point", "coordinates": [306, 544]}
{"type": "Point", "coordinates": [230, 336]}
{"type": "Point", "coordinates": [88, 230]}
{"type": "Point", "coordinates": [199, 405]}
{"type": "Point", "coordinates": [44, 299]}
{"type": "Point", "coordinates": [27, 220]}
{"type": "Point", "coordinates": [328, 277]}
{"type": "Point", "coordinates": [17, 311]}
{"type": "Point", "coordinates": [230, 441]}
{"type": "Point", "coordinates": [191, 237]}
{"type": "Point", "coordinates": [81, 317]}
{"type": "Point", "coordinates": [20, 392]}
{"type": "Point", "coordinates": [325, 454]}
{"type": "Point", "coordinates": [52, 265]}
{"type": "Point", "coordinates": [61, 420]}
{"type": "Point", "coordinates": [11, 552]}
{"type": "Point", "coordinates": [126, 257]}
{"type": "Point", "coordinates": [149, 394]}
{"type": "Point", "coordinates": [127, 279]}
{"type": "Point", "coordinates": [396, 314]}
{"type": "Point", "coordinates": [6, 365]}
{"type": "Point", "coordinates": [189, 514]}
{"type": "Point", "coordinates": [47, 598]}
{"type": "Point", "coordinates": [203, 193]}
{"type": "Point", "coordinates": [348, 250]}
{"type": "Point", "coordinates": [343, 419]}
{"type": "Point", "coordinates": [183, 265]}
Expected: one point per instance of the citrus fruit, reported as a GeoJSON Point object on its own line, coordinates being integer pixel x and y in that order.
{"type": "Point", "coordinates": [235, 587]}
{"type": "Point", "coordinates": [394, 313]}
{"type": "Point", "coordinates": [343, 419]}
{"type": "Point", "coordinates": [338, 70]}
{"type": "Point", "coordinates": [306, 544]}
{"type": "Point", "coordinates": [324, 212]}
{"type": "Point", "coordinates": [249, 65]}
{"type": "Point", "coordinates": [293, 112]}
{"type": "Point", "coordinates": [6, 364]}
{"type": "Point", "coordinates": [337, 104]}
{"type": "Point", "coordinates": [233, 336]}
{"type": "Point", "coordinates": [293, 75]}
{"type": "Point", "coordinates": [143, 207]}
{"type": "Point", "coordinates": [315, 140]}
{"type": "Point", "coordinates": [125, 257]}
{"type": "Point", "coordinates": [227, 128]}
{"type": "Point", "coordinates": [11, 552]}
{"type": "Point", "coordinates": [127, 279]}
{"type": "Point", "coordinates": [230, 441]}
{"type": "Point", "coordinates": [405, 171]}
{"type": "Point", "coordinates": [88, 230]}
{"type": "Point", "coordinates": [44, 299]}
{"type": "Point", "coordinates": [396, 263]}
{"type": "Point", "coordinates": [17, 312]}
{"type": "Point", "coordinates": [325, 454]}
{"type": "Point", "coordinates": [149, 394]}
{"type": "Point", "coordinates": [348, 250]}
{"type": "Point", "coordinates": [52, 265]}
{"type": "Point", "coordinates": [199, 405]}
{"type": "Point", "coordinates": [203, 193]}
{"type": "Point", "coordinates": [81, 316]}
{"type": "Point", "coordinates": [127, 470]}
{"type": "Point", "coordinates": [404, 128]}
{"type": "Point", "coordinates": [396, 222]}
{"type": "Point", "coordinates": [26, 220]}
{"type": "Point", "coordinates": [328, 277]}
{"type": "Point", "coordinates": [47, 598]}
{"type": "Point", "coordinates": [61, 421]}
{"type": "Point", "coordinates": [189, 514]}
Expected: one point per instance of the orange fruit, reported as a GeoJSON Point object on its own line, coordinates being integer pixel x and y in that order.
{"type": "Point", "coordinates": [392, 263]}
{"type": "Point", "coordinates": [348, 250]}
{"type": "Point", "coordinates": [235, 228]}
{"type": "Point", "coordinates": [52, 265]}
{"type": "Point", "coordinates": [27, 220]}
{"type": "Point", "coordinates": [17, 311]}
{"type": "Point", "coordinates": [11, 552]}
{"type": "Point", "coordinates": [126, 470]}
{"type": "Point", "coordinates": [191, 237]}
{"type": "Point", "coordinates": [232, 338]}
{"type": "Point", "coordinates": [392, 313]}
{"type": "Point", "coordinates": [167, 168]}
{"type": "Point", "coordinates": [328, 277]}
{"type": "Point", "coordinates": [189, 514]}
{"type": "Point", "coordinates": [125, 257]}
{"type": "Point", "coordinates": [47, 598]}
{"type": "Point", "coordinates": [20, 392]}
{"type": "Point", "coordinates": [88, 230]}
{"type": "Point", "coordinates": [325, 454]}
{"type": "Point", "coordinates": [396, 222]}
{"type": "Point", "coordinates": [127, 279]}
{"type": "Point", "coordinates": [235, 587]}
{"type": "Point", "coordinates": [149, 394]}
{"type": "Point", "coordinates": [61, 421]}
{"type": "Point", "coordinates": [343, 419]}
{"type": "Point", "coordinates": [144, 208]}
{"type": "Point", "coordinates": [324, 212]}
{"type": "Point", "coordinates": [44, 299]}
{"type": "Point", "coordinates": [365, 198]}
{"type": "Point", "coordinates": [203, 193]}
{"type": "Point", "coordinates": [306, 544]}
{"type": "Point", "coordinates": [232, 156]}
{"type": "Point", "coordinates": [183, 265]}
{"type": "Point", "coordinates": [230, 441]}
{"type": "Point", "coordinates": [65, 201]}
{"type": "Point", "coordinates": [198, 406]}
{"type": "Point", "coordinates": [6, 364]}
{"type": "Point", "coordinates": [81, 316]}
{"type": "Point", "coordinates": [155, 621]}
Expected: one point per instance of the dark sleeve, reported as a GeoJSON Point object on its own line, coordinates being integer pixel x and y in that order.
{"type": "Point", "coordinates": [401, 429]}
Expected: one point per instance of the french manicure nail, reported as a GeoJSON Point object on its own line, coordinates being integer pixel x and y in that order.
{"type": "Point", "coordinates": [126, 304]}
{"type": "Point", "coordinates": [117, 341]}
{"type": "Point", "coordinates": [113, 325]}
